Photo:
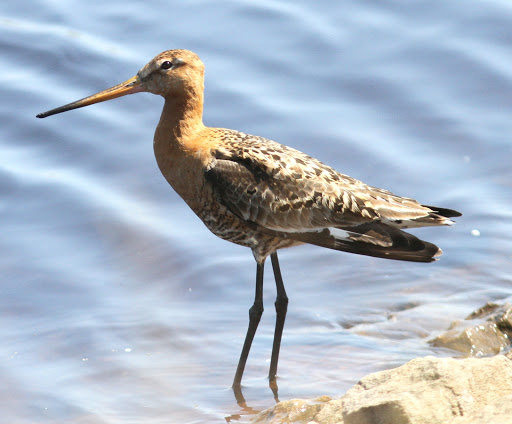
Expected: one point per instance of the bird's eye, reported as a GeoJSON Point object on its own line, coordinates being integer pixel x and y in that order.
{"type": "Point", "coordinates": [166, 65]}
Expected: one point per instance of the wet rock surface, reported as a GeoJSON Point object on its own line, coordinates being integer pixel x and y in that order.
{"type": "Point", "coordinates": [426, 390]}
{"type": "Point", "coordinates": [486, 331]}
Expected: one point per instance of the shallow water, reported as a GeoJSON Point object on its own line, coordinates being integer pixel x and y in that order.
{"type": "Point", "coordinates": [119, 306]}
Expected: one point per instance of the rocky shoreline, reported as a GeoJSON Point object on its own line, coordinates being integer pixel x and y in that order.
{"type": "Point", "coordinates": [430, 390]}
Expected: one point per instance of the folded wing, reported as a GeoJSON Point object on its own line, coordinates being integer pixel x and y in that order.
{"type": "Point", "coordinates": [291, 195]}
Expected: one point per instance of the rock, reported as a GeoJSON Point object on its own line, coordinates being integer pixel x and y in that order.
{"type": "Point", "coordinates": [423, 391]}
{"type": "Point", "coordinates": [322, 410]}
{"type": "Point", "coordinates": [428, 390]}
{"type": "Point", "coordinates": [498, 412]}
{"type": "Point", "coordinates": [486, 331]}
{"type": "Point", "coordinates": [290, 411]}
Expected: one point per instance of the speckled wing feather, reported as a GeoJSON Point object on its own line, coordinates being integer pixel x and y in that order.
{"type": "Point", "coordinates": [283, 189]}
{"type": "Point", "coordinates": [289, 194]}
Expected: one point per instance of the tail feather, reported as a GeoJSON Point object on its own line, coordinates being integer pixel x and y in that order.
{"type": "Point", "coordinates": [373, 239]}
{"type": "Point", "coordinates": [447, 213]}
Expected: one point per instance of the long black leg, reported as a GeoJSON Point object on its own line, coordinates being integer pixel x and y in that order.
{"type": "Point", "coordinates": [281, 308]}
{"type": "Point", "coordinates": [254, 318]}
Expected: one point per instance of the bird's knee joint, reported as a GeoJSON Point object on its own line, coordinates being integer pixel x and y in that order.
{"type": "Point", "coordinates": [281, 302]}
{"type": "Point", "coordinates": [256, 310]}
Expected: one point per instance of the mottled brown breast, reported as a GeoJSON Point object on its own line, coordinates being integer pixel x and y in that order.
{"type": "Point", "coordinates": [186, 164]}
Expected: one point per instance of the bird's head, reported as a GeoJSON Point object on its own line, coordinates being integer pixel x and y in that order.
{"type": "Point", "coordinates": [171, 74]}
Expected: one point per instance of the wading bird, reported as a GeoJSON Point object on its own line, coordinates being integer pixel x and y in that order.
{"type": "Point", "coordinates": [263, 195]}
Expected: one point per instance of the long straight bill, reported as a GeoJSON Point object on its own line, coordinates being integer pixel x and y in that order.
{"type": "Point", "coordinates": [133, 85]}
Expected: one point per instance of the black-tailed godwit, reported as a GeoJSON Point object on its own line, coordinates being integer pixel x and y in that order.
{"type": "Point", "coordinates": [264, 195]}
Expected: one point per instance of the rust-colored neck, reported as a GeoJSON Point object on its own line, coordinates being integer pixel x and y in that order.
{"type": "Point", "coordinates": [179, 145]}
{"type": "Point", "coordinates": [182, 117]}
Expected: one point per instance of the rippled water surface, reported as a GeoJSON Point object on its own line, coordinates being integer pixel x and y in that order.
{"type": "Point", "coordinates": [118, 305]}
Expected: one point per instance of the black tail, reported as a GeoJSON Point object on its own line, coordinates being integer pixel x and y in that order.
{"type": "Point", "coordinates": [447, 213]}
